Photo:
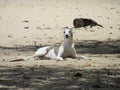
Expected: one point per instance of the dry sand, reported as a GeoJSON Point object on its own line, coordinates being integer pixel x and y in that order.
{"type": "Point", "coordinates": [26, 25]}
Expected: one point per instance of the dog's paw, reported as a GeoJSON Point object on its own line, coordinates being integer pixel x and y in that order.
{"type": "Point", "coordinates": [83, 57]}
{"type": "Point", "coordinates": [59, 58]}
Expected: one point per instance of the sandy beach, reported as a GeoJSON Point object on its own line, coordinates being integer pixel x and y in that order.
{"type": "Point", "coordinates": [26, 25]}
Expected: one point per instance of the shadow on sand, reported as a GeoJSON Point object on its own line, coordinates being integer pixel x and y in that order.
{"type": "Point", "coordinates": [63, 78]}
{"type": "Point", "coordinates": [58, 78]}
{"type": "Point", "coordinates": [85, 46]}
{"type": "Point", "coordinates": [98, 47]}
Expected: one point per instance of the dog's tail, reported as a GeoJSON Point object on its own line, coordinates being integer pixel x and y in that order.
{"type": "Point", "coordinates": [29, 58]}
{"type": "Point", "coordinates": [100, 25]}
{"type": "Point", "coordinates": [23, 59]}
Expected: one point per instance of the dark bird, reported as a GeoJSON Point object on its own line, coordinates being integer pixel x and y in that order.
{"type": "Point", "coordinates": [83, 22]}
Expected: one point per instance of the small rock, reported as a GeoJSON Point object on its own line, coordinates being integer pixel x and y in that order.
{"type": "Point", "coordinates": [3, 60]}
{"type": "Point", "coordinates": [18, 53]}
{"type": "Point", "coordinates": [77, 74]}
{"type": "Point", "coordinates": [26, 27]}
{"type": "Point", "coordinates": [96, 86]}
{"type": "Point", "coordinates": [106, 56]}
{"type": "Point", "coordinates": [25, 37]}
{"type": "Point", "coordinates": [109, 73]}
{"type": "Point", "coordinates": [110, 33]}
{"type": "Point", "coordinates": [10, 36]}
{"type": "Point", "coordinates": [117, 12]}
{"type": "Point", "coordinates": [25, 21]}
{"type": "Point", "coordinates": [92, 30]}
{"type": "Point", "coordinates": [112, 8]}
{"type": "Point", "coordinates": [26, 77]}
{"type": "Point", "coordinates": [111, 27]}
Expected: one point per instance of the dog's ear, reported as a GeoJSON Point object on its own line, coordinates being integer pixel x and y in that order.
{"type": "Point", "coordinates": [71, 28]}
{"type": "Point", "coordinates": [66, 27]}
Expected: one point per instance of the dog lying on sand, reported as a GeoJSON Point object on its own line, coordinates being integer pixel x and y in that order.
{"type": "Point", "coordinates": [66, 50]}
{"type": "Point", "coordinates": [83, 22]}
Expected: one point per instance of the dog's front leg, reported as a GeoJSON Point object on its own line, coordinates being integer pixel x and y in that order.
{"type": "Point", "coordinates": [82, 57]}
{"type": "Point", "coordinates": [60, 52]}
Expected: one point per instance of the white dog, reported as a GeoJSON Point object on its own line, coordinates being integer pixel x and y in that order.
{"type": "Point", "coordinates": [59, 53]}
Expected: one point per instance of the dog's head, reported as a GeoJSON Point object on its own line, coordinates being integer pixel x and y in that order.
{"type": "Point", "coordinates": [68, 33]}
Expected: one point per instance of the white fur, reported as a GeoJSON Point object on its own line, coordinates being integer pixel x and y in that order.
{"type": "Point", "coordinates": [65, 50]}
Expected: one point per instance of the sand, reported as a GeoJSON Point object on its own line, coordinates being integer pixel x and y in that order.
{"type": "Point", "coordinates": [26, 25]}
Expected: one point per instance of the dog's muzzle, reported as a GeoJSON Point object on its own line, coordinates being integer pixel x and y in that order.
{"type": "Point", "coordinates": [66, 36]}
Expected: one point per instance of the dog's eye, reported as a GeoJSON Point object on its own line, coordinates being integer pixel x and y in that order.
{"type": "Point", "coordinates": [69, 31]}
{"type": "Point", "coordinates": [64, 31]}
